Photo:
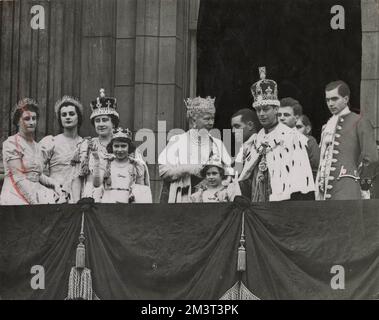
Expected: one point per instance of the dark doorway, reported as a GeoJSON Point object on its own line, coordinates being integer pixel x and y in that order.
{"type": "Point", "coordinates": [292, 38]}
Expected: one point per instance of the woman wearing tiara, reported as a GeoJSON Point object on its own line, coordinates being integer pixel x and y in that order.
{"type": "Point", "coordinates": [123, 180]}
{"type": "Point", "coordinates": [180, 163]}
{"type": "Point", "coordinates": [24, 182]}
{"type": "Point", "coordinates": [60, 151]}
{"type": "Point", "coordinates": [104, 118]}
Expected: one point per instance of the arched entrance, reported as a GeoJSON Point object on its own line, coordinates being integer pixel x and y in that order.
{"type": "Point", "coordinates": [292, 38]}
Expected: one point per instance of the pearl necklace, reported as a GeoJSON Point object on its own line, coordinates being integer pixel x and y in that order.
{"type": "Point", "coordinates": [197, 139]}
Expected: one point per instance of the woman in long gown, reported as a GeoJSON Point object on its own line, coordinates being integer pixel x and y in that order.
{"type": "Point", "coordinates": [61, 152]}
{"type": "Point", "coordinates": [180, 163]}
{"type": "Point", "coordinates": [104, 118]}
{"type": "Point", "coordinates": [123, 180]}
{"type": "Point", "coordinates": [24, 182]}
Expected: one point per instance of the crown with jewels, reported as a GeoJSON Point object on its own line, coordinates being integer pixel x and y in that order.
{"type": "Point", "coordinates": [264, 91]}
{"type": "Point", "coordinates": [122, 133]}
{"type": "Point", "coordinates": [213, 161]}
{"type": "Point", "coordinates": [104, 106]}
{"type": "Point", "coordinates": [200, 105]}
{"type": "Point", "coordinates": [68, 100]}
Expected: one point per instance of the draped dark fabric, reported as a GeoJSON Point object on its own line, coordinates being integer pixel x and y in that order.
{"type": "Point", "coordinates": [189, 251]}
{"type": "Point", "coordinates": [292, 38]}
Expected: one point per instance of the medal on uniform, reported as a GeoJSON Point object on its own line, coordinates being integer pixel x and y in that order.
{"type": "Point", "coordinates": [262, 166]}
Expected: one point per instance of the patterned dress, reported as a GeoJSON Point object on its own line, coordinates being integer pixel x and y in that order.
{"type": "Point", "coordinates": [226, 193]}
{"type": "Point", "coordinates": [105, 161]}
{"type": "Point", "coordinates": [58, 154]}
{"type": "Point", "coordinates": [126, 183]}
{"type": "Point", "coordinates": [26, 184]}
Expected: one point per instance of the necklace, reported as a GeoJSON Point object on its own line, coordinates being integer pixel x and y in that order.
{"type": "Point", "coordinates": [198, 139]}
{"type": "Point", "coordinates": [102, 144]}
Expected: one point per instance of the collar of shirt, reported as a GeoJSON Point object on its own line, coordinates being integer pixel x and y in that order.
{"type": "Point", "coordinates": [332, 122]}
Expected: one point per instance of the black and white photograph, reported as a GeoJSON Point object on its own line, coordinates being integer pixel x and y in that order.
{"type": "Point", "coordinates": [195, 150]}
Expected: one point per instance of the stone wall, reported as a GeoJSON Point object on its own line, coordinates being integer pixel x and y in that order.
{"type": "Point", "coordinates": [370, 62]}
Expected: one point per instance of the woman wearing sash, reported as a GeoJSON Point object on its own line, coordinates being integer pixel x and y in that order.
{"type": "Point", "coordinates": [105, 119]}
{"type": "Point", "coordinates": [181, 162]}
{"type": "Point", "coordinates": [24, 182]}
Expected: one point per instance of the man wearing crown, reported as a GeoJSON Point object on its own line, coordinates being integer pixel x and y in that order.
{"type": "Point", "coordinates": [278, 168]}
{"type": "Point", "coordinates": [181, 162]}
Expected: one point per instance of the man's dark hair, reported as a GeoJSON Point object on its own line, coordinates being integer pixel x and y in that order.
{"type": "Point", "coordinates": [294, 104]}
{"type": "Point", "coordinates": [248, 115]}
{"type": "Point", "coordinates": [343, 88]}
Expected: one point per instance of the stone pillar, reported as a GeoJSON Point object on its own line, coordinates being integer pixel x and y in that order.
{"type": "Point", "coordinates": [98, 53]}
{"type": "Point", "coordinates": [159, 56]}
{"type": "Point", "coordinates": [125, 60]}
{"type": "Point", "coordinates": [370, 62]}
{"type": "Point", "coordinates": [151, 66]}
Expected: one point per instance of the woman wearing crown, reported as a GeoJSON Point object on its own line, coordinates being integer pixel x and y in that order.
{"type": "Point", "coordinates": [180, 163]}
{"type": "Point", "coordinates": [123, 180]}
{"type": "Point", "coordinates": [61, 153]}
{"type": "Point", "coordinates": [104, 118]}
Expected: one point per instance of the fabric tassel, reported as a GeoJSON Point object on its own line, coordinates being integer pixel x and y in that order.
{"type": "Point", "coordinates": [241, 262]}
{"type": "Point", "coordinates": [80, 280]}
{"type": "Point", "coordinates": [241, 259]}
{"type": "Point", "coordinates": [80, 256]}
{"type": "Point", "coordinates": [239, 292]}
{"type": "Point", "coordinates": [80, 285]}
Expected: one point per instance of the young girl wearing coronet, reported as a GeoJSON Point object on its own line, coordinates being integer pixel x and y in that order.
{"type": "Point", "coordinates": [214, 187]}
{"type": "Point", "coordinates": [124, 177]}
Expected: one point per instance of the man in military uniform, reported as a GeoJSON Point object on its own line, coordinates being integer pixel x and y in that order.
{"type": "Point", "coordinates": [348, 152]}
